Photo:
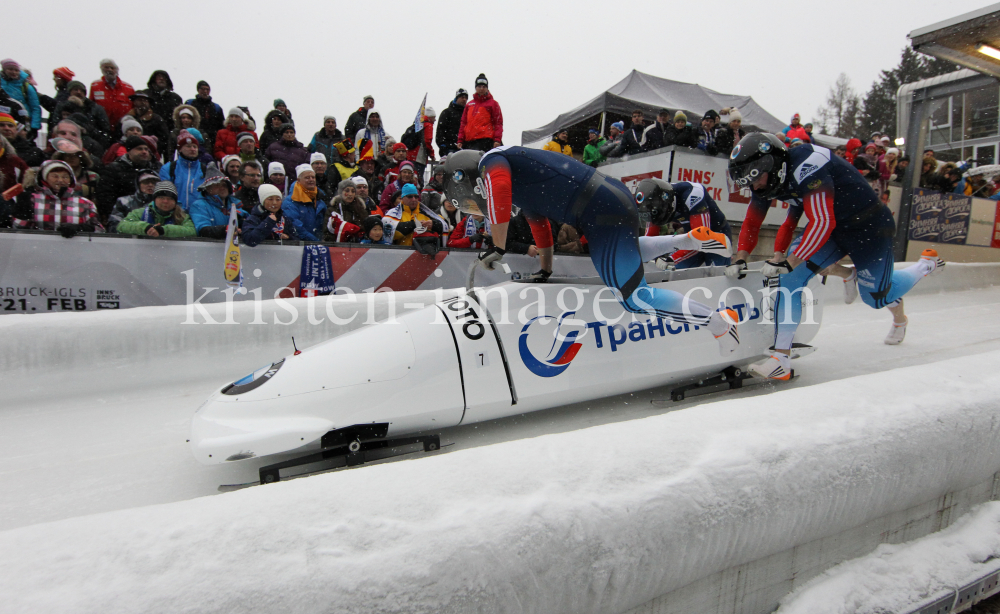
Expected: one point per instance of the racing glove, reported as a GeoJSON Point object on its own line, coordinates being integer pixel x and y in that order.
{"type": "Point", "coordinates": [491, 257]}
{"type": "Point", "coordinates": [773, 269]}
{"type": "Point", "coordinates": [737, 270]}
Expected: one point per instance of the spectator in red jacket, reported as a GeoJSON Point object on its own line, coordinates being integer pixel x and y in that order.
{"type": "Point", "coordinates": [795, 130]}
{"type": "Point", "coordinates": [482, 121]}
{"type": "Point", "coordinates": [111, 93]}
{"type": "Point", "coordinates": [226, 139]}
{"type": "Point", "coordinates": [472, 232]}
{"type": "Point", "coordinates": [391, 173]}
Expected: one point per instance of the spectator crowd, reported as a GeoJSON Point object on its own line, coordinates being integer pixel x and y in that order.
{"type": "Point", "coordinates": [148, 162]}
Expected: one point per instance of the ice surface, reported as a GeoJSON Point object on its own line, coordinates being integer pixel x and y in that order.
{"type": "Point", "coordinates": [897, 577]}
{"type": "Point", "coordinates": [593, 520]}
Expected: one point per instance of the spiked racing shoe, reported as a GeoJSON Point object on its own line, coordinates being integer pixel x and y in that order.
{"type": "Point", "coordinates": [929, 258]}
{"type": "Point", "coordinates": [896, 333]}
{"type": "Point", "coordinates": [851, 287]}
{"type": "Point", "coordinates": [711, 242]}
{"type": "Point", "coordinates": [778, 367]}
{"type": "Point", "coordinates": [729, 341]}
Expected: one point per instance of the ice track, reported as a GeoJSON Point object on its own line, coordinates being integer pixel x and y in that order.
{"type": "Point", "coordinates": [95, 419]}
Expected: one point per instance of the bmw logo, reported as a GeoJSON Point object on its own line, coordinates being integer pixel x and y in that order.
{"type": "Point", "coordinates": [736, 152]}
{"type": "Point", "coordinates": [764, 147]}
{"type": "Point", "coordinates": [458, 176]}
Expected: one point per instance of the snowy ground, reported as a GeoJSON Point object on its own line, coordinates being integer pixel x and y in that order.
{"type": "Point", "coordinates": [112, 436]}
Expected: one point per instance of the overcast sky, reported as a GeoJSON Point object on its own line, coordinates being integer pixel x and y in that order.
{"type": "Point", "coordinates": [541, 57]}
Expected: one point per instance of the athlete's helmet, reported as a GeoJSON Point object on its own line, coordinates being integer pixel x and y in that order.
{"type": "Point", "coordinates": [758, 153]}
{"type": "Point", "coordinates": [655, 200]}
{"type": "Point", "coordinates": [462, 184]}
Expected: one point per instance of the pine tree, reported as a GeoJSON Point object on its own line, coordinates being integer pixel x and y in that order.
{"type": "Point", "coordinates": [879, 109]}
{"type": "Point", "coordinates": [839, 117]}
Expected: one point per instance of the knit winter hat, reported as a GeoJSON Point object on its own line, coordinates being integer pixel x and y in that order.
{"type": "Point", "coordinates": [593, 131]}
{"type": "Point", "coordinates": [461, 92]}
{"type": "Point", "coordinates": [359, 180]}
{"type": "Point", "coordinates": [892, 150]}
{"type": "Point", "coordinates": [397, 147]}
{"type": "Point", "coordinates": [130, 122]}
{"type": "Point", "coordinates": [244, 136]}
{"type": "Point", "coordinates": [406, 164]}
{"type": "Point", "coordinates": [165, 188]}
{"type": "Point", "coordinates": [326, 117]}
{"type": "Point", "coordinates": [680, 116]}
{"type": "Point", "coordinates": [213, 176]}
{"type": "Point", "coordinates": [278, 101]}
{"type": "Point", "coordinates": [9, 63]}
{"type": "Point", "coordinates": [371, 222]}
{"type": "Point", "coordinates": [50, 165]}
{"type": "Point", "coordinates": [481, 80]}
{"type": "Point", "coordinates": [227, 159]}
{"type": "Point", "coordinates": [134, 141]}
{"type": "Point", "coordinates": [303, 169]}
{"type": "Point", "coordinates": [430, 112]}
{"type": "Point", "coordinates": [735, 115]}
{"type": "Point", "coordinates": [238, 112]}
{"type": "Point", "coordinates": [409, 190]}
{"type": "Point", "coordinates": [266, 190]}
{"type": "Point", "coordinates": [185, 112]}
{"type": "Point", "coordinates": [184, 137]}
{"type": "Point", "coordinates": [197, 135]}
{"type": "Point", "coordinates": [64, 73]}
{"type": "Point", "coordinates": [146, 175]}
{"type": "Point", "coordinates": [275, 168]}
{"type": "Point", "coordinates": [286, 127]}
{"type": "Point", "coordinates": [619, 125]}
{"type": "Point", "coordinates": [344, 184]}
{"type": "Point", "coordinates": [76, 85]}
{"type": "Point", "coordinates": [7, 119]}
{"type": "Point", "coordinates": [317, 157]}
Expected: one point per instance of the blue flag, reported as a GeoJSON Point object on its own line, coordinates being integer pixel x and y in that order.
{"type": "Point", "coordinates": [316, 275]}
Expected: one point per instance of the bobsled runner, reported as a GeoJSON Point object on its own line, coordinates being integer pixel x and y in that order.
{"type": "Point", "coordinates": [499, 351]}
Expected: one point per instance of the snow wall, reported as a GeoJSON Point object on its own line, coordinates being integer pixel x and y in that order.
{"type": "Point", "coordinates": [723, 507]}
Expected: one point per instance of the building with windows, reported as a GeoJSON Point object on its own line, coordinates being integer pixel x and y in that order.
{"type": "Point", "coordinates": [963, 115]}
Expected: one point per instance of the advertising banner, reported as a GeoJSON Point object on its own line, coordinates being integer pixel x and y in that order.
{"type": "Point", "coordinates": [42, 273]}
{"type": "Point", "coordinates": [940, 218]}
{"type": "Point", "coordinates": [683, 164]}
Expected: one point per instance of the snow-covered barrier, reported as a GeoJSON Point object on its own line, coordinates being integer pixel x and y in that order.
{"type": "Point", "coordinates": [901, 578]}
{"type": "Point", "coordinates": [598, 520]}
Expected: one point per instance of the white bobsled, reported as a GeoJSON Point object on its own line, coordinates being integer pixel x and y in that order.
{"type": "Point", "coordinates": [507, 349]}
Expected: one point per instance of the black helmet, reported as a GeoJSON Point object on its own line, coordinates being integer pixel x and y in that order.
{"type": "Point", "coordinates": [655, 200]}
{"type": "Point", "coordinates": [462, 184]}
{"type": "Point", "coordinates": [758, 153]}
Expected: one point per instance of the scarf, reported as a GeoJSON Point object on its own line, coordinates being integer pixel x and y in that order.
{"type": "Point", "coordinates": [302, 195]}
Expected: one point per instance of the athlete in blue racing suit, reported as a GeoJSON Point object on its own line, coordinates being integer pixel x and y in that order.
{"type": "Point", "coordinates": [694, 208]}
{"type": "Point", "coordinates": [547, 185]}
{"type": "Point", "coordinates": [845, 218]}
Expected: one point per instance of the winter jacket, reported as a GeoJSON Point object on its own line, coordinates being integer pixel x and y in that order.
{"type": "Point", "coordinates": [449, 123]}
{"type": "Point", "coordinates": [726, 139]}
{"type": "Point", "coordinates": [212, 117]}
{"type": "Point", "coordinates": [344, 220]}
{"type": "Point", "coordinates": [171, 145]}
{"type": "Point", "coordinates": [706, 141]}
{"type": "Point", "coordinates": [432, 196]}
{"type": "Point", "coordinates": [558, 147]}
{"type": "Point", "coordinates": [470, 233]}
{"type": "Point", "coordinates": [391, 188]}
{"type": "Point", "coordinates": [13, 107]}
{"type": "Point", "coordinates": [269, 134]}
{"type": "Point", "coordinates": [28, 151]}
{"type": "Point", "coordinates": [400, 223]}
{"type": "Point", "coordinates": [187, 175]}
{"type": "Point", "coordinates": [39, 208]}
{"type": "Point", "coordinates": [126, 205]}
{"type": "Point", "coordinates": [592, 152]}
{"type": "Point", "coordinates": [113, 99]}
{"type": "Point", "coordinates": [376, 135]}
{"type": "Point", "coordinates": [97, 124]}
{"type": "Point", "coordinates": [20, 90]}
{"type": "Point", "coordinates": [163, 102]}
{"type": "Point", "coordinates": [425, 151]}
{"type": "Point", "coordinates": [481, 119]}
{"type": "Point", "coordinates": [117, 180]}
{"type": "Point", "coordinates": [154, 126]}
{"type": "Point", "coordinates": [138, 221]}
{"type": "Point", "coordinates": [249, 198]}
{"type": "Point", "coordinates": [225, 140]}
{"type": "Point", "coordinates": [632, 140]}
{"type": "Point", "coordinates": [356, 121]}
{"type": "Point", "coordinates": [798, 132]}
{"type": "Point", "coordinates": [612, 148]}
{"type": "Point", "coordinates": [210, 212]}
{"type": "Point", "coordinates": [12, 167]}
{"type": "Point", "coordinates": [325, 144]}
{"type": "Point", "coordinates": [289, 154]}
{"type": "Point", "coordinates": [308, 217]}
{"type": "Point", "coordinates": [683, 137]}
{"type": "Point", "coordinates": [260, 227]}
{"type": "Point", "coordinates": [519, 235]}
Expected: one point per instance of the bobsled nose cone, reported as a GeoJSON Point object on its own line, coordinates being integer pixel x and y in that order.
{"type": "Point", "coordinates": [403, 372]}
